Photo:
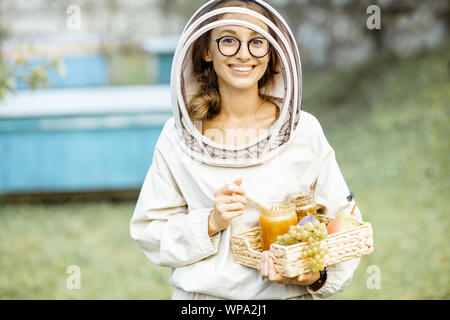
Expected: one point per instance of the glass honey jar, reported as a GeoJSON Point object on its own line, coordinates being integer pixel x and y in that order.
{"type": "Point", "coordinates": [304, 204]}
{"type": "Point", "coordinates": [275, 219]}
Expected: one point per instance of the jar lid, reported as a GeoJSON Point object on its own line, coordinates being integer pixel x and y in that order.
{"type": "Point", "coordinates": [299, 198]}
{"type": "Point", "coordinates": [275, 207]}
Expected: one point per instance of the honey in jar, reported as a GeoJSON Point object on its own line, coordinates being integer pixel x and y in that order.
{"type": "Point", "coordinates": [275, 220]}
{"type": "Point", "coordinates": [304, 204]}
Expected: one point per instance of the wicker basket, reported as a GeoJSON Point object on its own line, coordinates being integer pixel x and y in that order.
{"type": "Point", "coordinates": [342, 246]}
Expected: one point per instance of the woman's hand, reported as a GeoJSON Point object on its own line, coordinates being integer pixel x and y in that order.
{"type": "Point", "coordinates": [229, 202]}
{"type": "Point", "coordinates": [267, 269]}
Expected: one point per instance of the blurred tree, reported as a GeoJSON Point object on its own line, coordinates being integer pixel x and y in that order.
{"type": "Point", "coordinates": [338, 27]}
{"type": "Point", "coordinates": [21, 68]}
{"type": "Point", "coordinates": [180, 7]}
{"type": "Point", "coordinates": [325, 14]}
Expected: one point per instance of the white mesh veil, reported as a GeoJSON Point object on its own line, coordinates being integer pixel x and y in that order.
{"type": "Point", "coordinates": [287, 88]}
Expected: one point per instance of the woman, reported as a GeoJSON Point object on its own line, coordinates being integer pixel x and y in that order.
{"type": "Point", "coordinates": [237, 130]}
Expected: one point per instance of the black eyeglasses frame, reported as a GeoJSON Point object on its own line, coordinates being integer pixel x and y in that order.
{"type": "Point", "coordinates": [239, 47]}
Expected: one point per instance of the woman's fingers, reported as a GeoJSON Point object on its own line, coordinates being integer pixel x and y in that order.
{"type": "Point", "coordinates": [308, 278]}
{"type": "Point", "coordinates": [231, 199]}
{"type": "Point", "coordinates": [229, 203]}
{"type": "Point", "coordinates": [235, 206]}
{"type": "Point", "coordinates": [263, 266]}
{"type": "Point", "coordinates": [230, 188]}
{"type": "Point", "coordinates": [273, 274]}
{"type": "Point", "coordinates": [239, 198]}
{"type": "Point", "coordinates": [238, 181]}
{"type": "Point", "coordinates": [267, 269]}
{"type": "Point", "coordinates": [233, 214]}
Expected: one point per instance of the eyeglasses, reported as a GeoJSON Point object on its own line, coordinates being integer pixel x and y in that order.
{"type": "Point", "coordinates": [229, 46]}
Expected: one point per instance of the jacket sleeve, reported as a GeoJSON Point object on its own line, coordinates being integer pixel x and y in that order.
{"type": "Point", "coordinates": [169, 234]}
{"type": "Point", "coordinates": [331, 194]}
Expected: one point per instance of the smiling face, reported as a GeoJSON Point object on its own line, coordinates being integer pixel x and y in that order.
{"type": "Point", "coordinates": [242, 70]}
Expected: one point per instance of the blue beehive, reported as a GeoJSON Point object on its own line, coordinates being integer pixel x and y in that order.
{"type": "Point", "coordinates": [81, 70]}
{"type": "Point", "coordinates": [80, 139]}
{"type": "Point", "coordinates": [163, 49]}
{"type": "Point", "coordinates": [82, 55]}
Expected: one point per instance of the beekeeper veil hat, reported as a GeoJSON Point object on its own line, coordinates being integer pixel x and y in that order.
{"type": "Point", "coordinates": [286, 88]}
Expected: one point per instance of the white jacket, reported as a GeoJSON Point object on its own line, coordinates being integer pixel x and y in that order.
{"type": "Point", "coordinates": [170, 221]}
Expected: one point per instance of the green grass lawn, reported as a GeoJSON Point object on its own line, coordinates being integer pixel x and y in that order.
{"type": "Point", "coordinates": [39, 242]}
{"type": "Point", "coordinates": [390, 133]}
{"type": "Point", "coordinates": [388, 123]}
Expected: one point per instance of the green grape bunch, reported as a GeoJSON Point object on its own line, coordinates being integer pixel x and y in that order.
{"type": "Point", "coordinates": [312, 233]}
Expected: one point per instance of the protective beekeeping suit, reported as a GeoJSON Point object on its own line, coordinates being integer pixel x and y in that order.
{"type": "Point", "coordinates": [170, 221]}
